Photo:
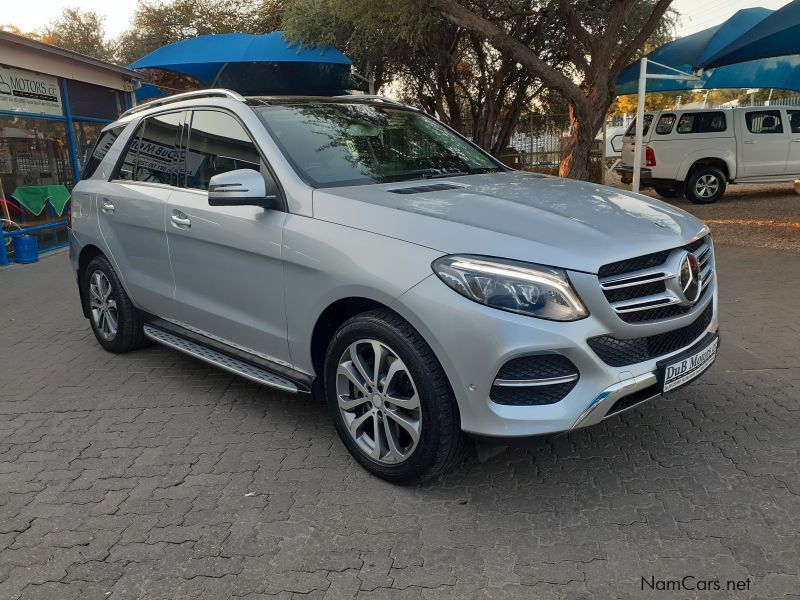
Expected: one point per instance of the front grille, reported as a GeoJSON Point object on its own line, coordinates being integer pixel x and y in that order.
{"type": "Point", "coordinates": [619, 353]}
{"type": "Point", "coordinates": [523, 381]}
{"type": "Point", "coordinates": [633, 399]}
{"type": "Point", "coordinates": [645, 288]}
{"type": "Point", "coordinates": [531, 396]}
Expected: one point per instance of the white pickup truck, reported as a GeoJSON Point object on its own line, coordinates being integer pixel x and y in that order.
{"type": "Point", "coordinates": [697, 152]}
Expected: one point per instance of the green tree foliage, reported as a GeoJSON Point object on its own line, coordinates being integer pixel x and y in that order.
{"type": "Point", "coordinates": [427, 60]}
{"type": "Point", "coordinates": [599, 38]}
{"type": "Point", "coordinates": [157, 23]}
{"type": "Point", "coordinates": [80, 31]}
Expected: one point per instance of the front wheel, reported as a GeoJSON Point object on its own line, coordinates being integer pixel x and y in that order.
{"type": "Point", "coordinates": [706, 185]}
{"type": "Point", "coordinates": [390, 399]}
{"type": "Point", "coordinates": [116, 323]}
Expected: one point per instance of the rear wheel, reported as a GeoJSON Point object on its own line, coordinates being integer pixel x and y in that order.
{"type": "Point", "coordinates": [706, 184]}
{"type": "Point", "coordinates": [390, 399]}
{"type": "Point", "coordinates": [116, 323]}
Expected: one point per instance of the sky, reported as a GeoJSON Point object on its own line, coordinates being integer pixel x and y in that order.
{"type": "Point", "coordinates": [30, 15]}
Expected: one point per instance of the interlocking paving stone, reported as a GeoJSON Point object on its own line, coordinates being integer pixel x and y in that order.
{"type": "Point", "coordinates": [152, 475]}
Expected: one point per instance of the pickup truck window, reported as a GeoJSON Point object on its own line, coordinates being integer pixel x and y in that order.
{"type": "Point", "coordinates": [704, 122]}
{"type": "Point", "coordinates": [632, 127]}
{"type": "Point", "coordinates": [794, 121]}
{"type": "Point", "coordinates": [764, 121]}
{"type": "Point", "coordinates": [665, 123]}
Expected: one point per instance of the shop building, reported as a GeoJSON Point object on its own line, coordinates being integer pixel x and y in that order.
{"type": "Point", "coordinates": [53, 104]}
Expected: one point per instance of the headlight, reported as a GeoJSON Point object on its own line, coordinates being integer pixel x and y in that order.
{"type": "Point", "coordinates": [518, 287]}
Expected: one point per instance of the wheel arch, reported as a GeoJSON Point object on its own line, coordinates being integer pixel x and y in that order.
{"type": "Point", "coordinates": [88, 252]}
{"type": "Point", "coordinates": [727, 164]}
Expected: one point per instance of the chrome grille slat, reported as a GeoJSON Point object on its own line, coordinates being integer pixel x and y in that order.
{"type": "Point", "coordinates": [639, 295]}
{"type": "Point", "coordinates": [654, 301]}
{"type": "Point", "coordinates": [634, 278]}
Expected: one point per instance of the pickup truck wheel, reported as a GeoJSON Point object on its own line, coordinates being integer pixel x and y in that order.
{"type": "Point", "coordinates": [706, 185]}
{"type": "Point", "coordinates": [116, 323]}
{"type": "Point", "coordinates": [668, 192]}
{"type": "Point", "coordinates": [390, 399]}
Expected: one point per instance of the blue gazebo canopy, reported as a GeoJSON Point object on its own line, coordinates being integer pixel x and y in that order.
{"type": "Point", "coordinates": [756, 47]}
{"type": "Point", "coordinates": [253, 64]}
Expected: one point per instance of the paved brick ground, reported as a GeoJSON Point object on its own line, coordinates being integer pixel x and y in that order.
{"type": "Point", "coordinates": [153, 476]}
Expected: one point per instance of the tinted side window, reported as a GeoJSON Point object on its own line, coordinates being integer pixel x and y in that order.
{"type": "Point", "coordinates": [665, 123]}
{"type": "Point", "coordinates": [794, 121]}
{"type": "Point", "coordinates": [764, 121]}
{"type": "Point", "coordinates": [708, 122]}
{"type": "Point", "coordinates": [101, 148]}
{"type": "Point", "coordinates": [217, 144]}
{"type": "Point", "coordinates": [632, 127]}
{"type": "Point", "coordinates": [127, 166]}
{"type": "Point", "coordinates": [158, 150]}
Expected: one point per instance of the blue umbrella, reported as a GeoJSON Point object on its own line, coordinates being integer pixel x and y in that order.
{"type": "Point", "coordinates": [777, 35]}
{"type": "Point", "coordinates": [254, 64]}
{"type": "Point", "coordinates": [749, 58]}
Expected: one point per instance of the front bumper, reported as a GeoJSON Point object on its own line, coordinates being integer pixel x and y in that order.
{"type": "Point", "coordinates": [472, 342]}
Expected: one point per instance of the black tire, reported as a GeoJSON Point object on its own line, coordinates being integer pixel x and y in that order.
{"type": "Point", "coordinates": [129, 333]}
{"type": "Point", "coordinates": [668, 192]}
{"type": "Point", "coordinates": [711, 175]}
{"type": "Point", "coordinates": [441, 441]}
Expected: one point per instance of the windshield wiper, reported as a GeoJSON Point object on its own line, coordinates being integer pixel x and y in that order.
{"type": "Point", "coordinates": [445, 174]}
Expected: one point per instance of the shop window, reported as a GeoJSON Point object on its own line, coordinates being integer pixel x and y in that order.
{"type": "Point", "coordinates": [89, 100]}
{"type": "Point", "coordinates": [35, 174]}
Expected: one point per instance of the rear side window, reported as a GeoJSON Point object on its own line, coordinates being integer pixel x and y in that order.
{"type": "Point", "coordinates": [152, 154]}
{"type": "Point", "coordinates": [665, 123]}
{"type": "Point", "coordinates": [217, 144]}
{"type": "Point", "coordinates": [648, 119]}
{"type": "Point", "coordinates": [705, 122]}
{"type": "Point", "coordinates": [794, 120]}
{"type": "Point", "coordinates": [158, 149]}
{"type": "Point", "coordinates": [764, 121]}
{"type": "Point", "coordinates": [101, 148]}
{"type": "Point", "coordinates": [127, 166]}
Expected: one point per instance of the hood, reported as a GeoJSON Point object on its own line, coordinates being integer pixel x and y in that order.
{"type": "Point", "coordinates": [523, 216]}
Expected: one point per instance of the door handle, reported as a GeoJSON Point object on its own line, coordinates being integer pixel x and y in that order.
{"type": "Point", "coordinates": [108, 206]}
{"type": "Point", "coordinates": [796, 141]}
{"type": "Point", "coordinates": [181, 220]}
{"type": "Point", "coordinates": [749, 141]}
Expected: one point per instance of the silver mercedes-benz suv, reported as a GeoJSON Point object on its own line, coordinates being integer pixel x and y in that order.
{"type": "Point", "coordinates": [358, 249]}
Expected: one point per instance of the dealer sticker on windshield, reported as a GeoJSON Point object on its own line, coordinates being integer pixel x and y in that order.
{"type": "Point", "coordinates": [683, 370]}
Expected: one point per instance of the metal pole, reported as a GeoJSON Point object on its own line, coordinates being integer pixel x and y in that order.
{"type": "Point", "coordinates": [637, 150]}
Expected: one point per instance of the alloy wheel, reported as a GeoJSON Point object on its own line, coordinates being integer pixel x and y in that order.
{"type": "Point", "coordinates": [103, 305]}
{"type": "Point", "coordinates": [378, 401]}
{"type": "Point", "coordinates": [707, 185]}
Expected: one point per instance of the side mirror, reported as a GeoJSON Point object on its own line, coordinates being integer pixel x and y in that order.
{"type": "Point", "coordinates": [242, 187]}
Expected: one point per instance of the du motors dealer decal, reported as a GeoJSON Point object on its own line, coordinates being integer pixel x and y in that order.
{"type": "Point", "coordinates": [26, 91]}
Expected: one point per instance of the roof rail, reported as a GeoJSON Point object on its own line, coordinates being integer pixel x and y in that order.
{"type": "Point", "coordinates": [371, 97]}
{"type": "Point", "coordinates": [218, 93]}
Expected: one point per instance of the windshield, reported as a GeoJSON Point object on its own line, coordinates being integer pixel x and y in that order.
{"type": "Point", "coordinates": [354, 144]}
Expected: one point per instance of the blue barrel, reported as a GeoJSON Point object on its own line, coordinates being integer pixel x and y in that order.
{"type": "Point", "coordinates": [26, 249]}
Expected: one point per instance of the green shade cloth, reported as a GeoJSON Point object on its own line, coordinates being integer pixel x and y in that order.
{"type": "Point", "coordinates": [34, 197]}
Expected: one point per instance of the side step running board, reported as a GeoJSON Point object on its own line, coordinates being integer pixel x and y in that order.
{"type": "Point", "coordinates": [218, 359]}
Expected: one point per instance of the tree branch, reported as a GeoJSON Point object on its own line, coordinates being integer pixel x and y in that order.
{"type": "Point", "coordinates": [639, 40]}
{"type": "Point", "coordinates": [501, 40]}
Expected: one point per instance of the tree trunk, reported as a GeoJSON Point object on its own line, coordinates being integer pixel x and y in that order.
{"type": "Point", "coordinates": [585, 122]}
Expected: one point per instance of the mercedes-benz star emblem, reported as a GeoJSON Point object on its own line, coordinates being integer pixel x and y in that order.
{"type": "Point", "coordinates": [689, 278]}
